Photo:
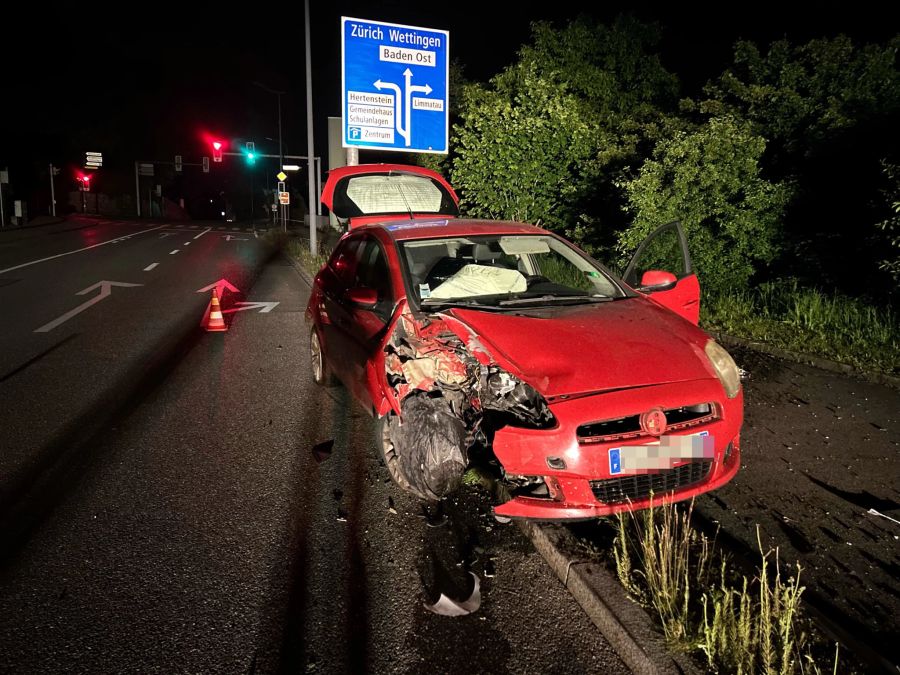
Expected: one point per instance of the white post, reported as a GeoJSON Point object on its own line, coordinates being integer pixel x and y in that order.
{"type": "Point", "coordinates": [137, 189]}
{"type": "Point", "coordinates": [313, 243]}
{"type": "Point", "coordinates": [52, 194]}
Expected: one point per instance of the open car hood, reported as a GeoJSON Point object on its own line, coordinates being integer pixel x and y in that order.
{"type": "Point", "coordinates": [378, 192]}
{"type": "Point", "coordinates": [592, 348]}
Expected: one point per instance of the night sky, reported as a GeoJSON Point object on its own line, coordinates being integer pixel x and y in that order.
{"type": "Point", "coordinates": [146, 80]}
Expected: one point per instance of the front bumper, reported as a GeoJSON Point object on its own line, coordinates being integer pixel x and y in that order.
{"type": "Point", "coordinates": [575, 489]}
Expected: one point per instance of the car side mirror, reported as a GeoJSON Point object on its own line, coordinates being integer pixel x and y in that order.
{"type": "Point", "coordinates": [657, 280]}
{"type": "Point", "coordinates": [362, 296]}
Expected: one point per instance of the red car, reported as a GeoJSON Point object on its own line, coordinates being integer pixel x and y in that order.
{"type": "Point", "coordinates": [502, 344]}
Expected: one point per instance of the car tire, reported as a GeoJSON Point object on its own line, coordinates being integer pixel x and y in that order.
{"type": "Point", "coordinates": [318, 365]}
{"type": "Point", "coordinates": [388, 454]}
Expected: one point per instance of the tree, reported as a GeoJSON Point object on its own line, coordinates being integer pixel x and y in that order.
{"type": "Point", "coordinates": [709, 179]}
{"type": "Point", "coordinates": [543, 140]}
{"type": "Point", "coordinates": [800, 97]}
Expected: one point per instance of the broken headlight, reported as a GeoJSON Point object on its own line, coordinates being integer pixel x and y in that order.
{"type": "Point", "coordinates": [502, 392]}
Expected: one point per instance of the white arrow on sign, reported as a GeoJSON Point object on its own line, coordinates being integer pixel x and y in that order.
{"type": "Point", "coordinates": [231, 237]}
{"type": "Point", "coordinates": [398, 106]}
{"type": "Point", "coordinates": [220, 286]}
{"type": "Point", "coordinates": [263, 307]}
{"type": "Point", "coordinates": [105, 291]}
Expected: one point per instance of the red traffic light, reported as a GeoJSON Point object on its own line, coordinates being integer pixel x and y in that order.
{"type": "Point", "coordinates": [217, 151]}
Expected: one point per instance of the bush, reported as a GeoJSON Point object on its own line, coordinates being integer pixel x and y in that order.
{"type": "Point", "coordinates": [709, 179]}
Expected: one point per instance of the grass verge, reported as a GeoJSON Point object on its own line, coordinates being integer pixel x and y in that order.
{"type": "Point", "coordinates": [732, 623]}
{"type": "Point", "coordinates": [808, 321]}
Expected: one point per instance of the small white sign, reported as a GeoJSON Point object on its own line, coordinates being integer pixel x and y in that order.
{"type": "Point", "coordinates": [412, 57]}
{"type": "Point", "coordinates": [436, 104]}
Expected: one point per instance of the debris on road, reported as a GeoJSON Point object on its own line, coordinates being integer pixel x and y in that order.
{"type": "Point", "coordinates": [878, 513]}
{"type": "Point", "coordinates": [447, 607]}
{"type": "Point", "coordinates": [322, 451]}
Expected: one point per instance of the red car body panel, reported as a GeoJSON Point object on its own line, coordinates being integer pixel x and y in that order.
{"type": "Point", "coordinates": [641, 344]}
{"type": "Point", "coordinates": [525, 451]}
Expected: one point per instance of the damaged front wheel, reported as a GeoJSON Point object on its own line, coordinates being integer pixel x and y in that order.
{"type": "Point", "coordinates": [424, 449]}
{"type": "Point", "coordinates": [320, 371]}
{"type": "Point", "coordinates": [389, 452]}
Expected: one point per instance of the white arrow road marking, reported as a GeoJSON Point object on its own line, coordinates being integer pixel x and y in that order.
{"type": "Point", "coordinates": [219, 285]}
{"type": "Point", "coordinates": [86, 248]}
{"type": "Point", "coordinates": [231, 237]}
{"type": "Point", "coordinates": [202, 233]}
{"type": "Point", "coordinates": [105, 291]}
{"type": "Point", "coordinates": [263, 307]}
{"type": "Point", "coordinates": [150, 267]}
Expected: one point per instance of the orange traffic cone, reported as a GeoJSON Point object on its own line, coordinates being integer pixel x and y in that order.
{"type": "Point", "coordinates": [215, 322]}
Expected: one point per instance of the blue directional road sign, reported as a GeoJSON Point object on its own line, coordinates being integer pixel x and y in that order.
{"type": "Point", "coordinates": [395, 86]}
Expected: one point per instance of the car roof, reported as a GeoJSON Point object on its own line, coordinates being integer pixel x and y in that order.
{"type": "Point", "coordinates": [431, 228]}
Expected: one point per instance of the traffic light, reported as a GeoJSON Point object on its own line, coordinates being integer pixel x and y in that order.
{"type": "Point", "coordinates": [250, 153]}
{"type": "Point", "coordinates": [85, 182]}
{"type": "Point", "coordinates": [217, 151]}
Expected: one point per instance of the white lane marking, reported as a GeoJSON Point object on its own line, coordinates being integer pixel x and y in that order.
{"type": "Point", "coordinates": [150, 267]}
{"type": "Point", "coordinates": [220, 286]}
{"type": "Point", "coordinates": [202, 233]}
{"type": "Point", "coordinates": [105, 291]}
{"type": "Point", "coordinates": [187, 243]}
{"type": "Point", "coordinates": [263, 307]}
{"type": "Point", "coordinates": [174, 252]}
{"type": "Point", "coordinates": [163, 235]}
{"type": "Point", "coordinates": [86, 248]}
{"type": "Point", "coordinates": [231, 237]}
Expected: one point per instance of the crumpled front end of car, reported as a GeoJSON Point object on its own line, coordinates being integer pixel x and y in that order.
{"type": "Point", "coordinates": [572, 456]}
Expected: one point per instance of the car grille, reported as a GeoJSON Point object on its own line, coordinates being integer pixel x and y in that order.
{"type": "Point", "coordinates": [624, 428]}
{"type": "Point", "coordinates": [640, 486]}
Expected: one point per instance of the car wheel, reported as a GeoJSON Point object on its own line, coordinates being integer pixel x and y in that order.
{"type": "Point", "coordinates": [320, 372]}
{"type": "Point", "coordinates": [389, 454]}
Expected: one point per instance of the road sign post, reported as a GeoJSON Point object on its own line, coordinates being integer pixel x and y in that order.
{"type": "Point", "coordinates": [395, 86]}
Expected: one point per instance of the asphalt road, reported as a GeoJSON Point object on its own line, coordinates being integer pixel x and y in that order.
{"type": "Point", "coordinates": [90, 311]}
{"type": "Point", "coordinates": [205, 528]}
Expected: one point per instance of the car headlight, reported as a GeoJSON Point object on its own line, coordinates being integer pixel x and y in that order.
{"type": "Point", "coordinates": [725, 367]}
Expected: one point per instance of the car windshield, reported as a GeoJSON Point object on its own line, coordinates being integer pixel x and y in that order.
{"type": "Point", "coordinates": [503, 271]}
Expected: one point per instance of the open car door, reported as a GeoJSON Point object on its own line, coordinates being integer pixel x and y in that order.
{"type": "Point", "coordinates": [661, 268]}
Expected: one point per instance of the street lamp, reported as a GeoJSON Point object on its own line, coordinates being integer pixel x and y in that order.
{"type": "Point", "coordinates": [280, 147]}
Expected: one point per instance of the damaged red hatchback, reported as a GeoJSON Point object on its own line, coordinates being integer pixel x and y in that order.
{"type": "Point", "coordinates": [502, 344]}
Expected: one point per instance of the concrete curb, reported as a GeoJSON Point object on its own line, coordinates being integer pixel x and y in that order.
{"type": "Point", "coordinates": [628, 628]}
{"type": "Point", "coordinates": [817, 362]}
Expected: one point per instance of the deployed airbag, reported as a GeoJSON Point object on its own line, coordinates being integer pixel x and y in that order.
{"type": "Point", "coordinates": [474, 280]}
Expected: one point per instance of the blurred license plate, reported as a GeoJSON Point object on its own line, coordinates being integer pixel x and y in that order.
{"type": "Point", "coordinates": [664, 454]}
